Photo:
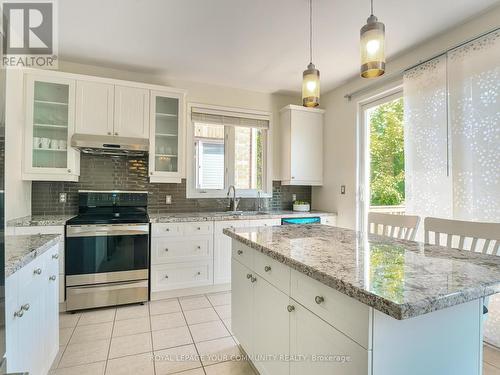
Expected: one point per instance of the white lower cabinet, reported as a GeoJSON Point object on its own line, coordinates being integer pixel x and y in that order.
{"type": "Point", "coordinates": [222, 250]}
{"type": "Point", "coordinates": [32, 315]}
{"type": "Point", "coordinates": [280, 335]}
{"type": "Point", "coordinates": [270, 315]}
{"type": "Point", "coordinates": [320, 349]}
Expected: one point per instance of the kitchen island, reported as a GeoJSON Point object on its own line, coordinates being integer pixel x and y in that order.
{"type": "Point", "coordinates": [325, 300]}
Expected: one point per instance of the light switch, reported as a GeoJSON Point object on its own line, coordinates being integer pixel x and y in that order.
{"type": "Point", "coordinates": [342, 189]}
{"type": "Point", "coordinates": [168, 199]}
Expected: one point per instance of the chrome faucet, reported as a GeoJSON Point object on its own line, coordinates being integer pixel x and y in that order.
{"type": "Point", "coordinates": [233, 203]}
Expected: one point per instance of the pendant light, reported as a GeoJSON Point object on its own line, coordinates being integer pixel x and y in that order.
{"type": "Point", "coordinates": [310, 77]}
{"type": "Point", "coordinates": [372, 47]}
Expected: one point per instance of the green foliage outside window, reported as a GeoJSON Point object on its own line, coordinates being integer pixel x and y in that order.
{"type": "Point", "coordinates": [387, 180]}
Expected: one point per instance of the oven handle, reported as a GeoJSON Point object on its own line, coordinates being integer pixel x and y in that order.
{"type": "Point", "coordinates": [106, 230]}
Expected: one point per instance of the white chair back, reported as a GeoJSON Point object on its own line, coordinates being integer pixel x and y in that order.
{"type": "Point", "coordinates": [403, 227]}
{"type": "Point", "coordinates": [464, 235]}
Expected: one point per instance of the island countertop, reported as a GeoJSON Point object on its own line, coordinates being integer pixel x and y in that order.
{"type": "Point", "coordinates": [400, 278]}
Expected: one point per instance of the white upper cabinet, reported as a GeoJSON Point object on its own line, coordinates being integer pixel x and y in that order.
{"type": "Point", "coordinates": [166, 137]}
{"type": "Point", "coordinates": [49, 125]}
{"type": "Point", "coordinates": [302, 145]}
{"type": "Point", "coordinates": [131, 112]}
{"type": "Point", "coordinates": [94, 108]}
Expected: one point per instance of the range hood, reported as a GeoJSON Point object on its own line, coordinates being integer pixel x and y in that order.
{"type": "Point", "coordinates": [109, 145]}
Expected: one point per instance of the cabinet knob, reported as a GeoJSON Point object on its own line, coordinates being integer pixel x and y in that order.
{"type": "Point", "coordinates": [69, 170]}
{"type": "Point", "coordinates": [290, 308]}
{"type": "Point", "coordinates": [52, 278]}
{"type": "Point", "coordinates": [116, 133]}
{"type": "Point", "coordinates": [199, 228]}
{"type": "Point", "coordinates": [55, 256]}
{"type": "Point", "coordinates": [253, 279]}
{"type": "Point", "coordinates": [319, 300]}
{"type": "Point", "coordinates": [166, 249]}
{"type": "Point", "coordinates": [293, 177]}
{"type": "Point", "coordinates": [267, 268]}
{"type": "Point", "coordinates": [151, 173]}
{"type": "Point", "coordinates": [38, 271]}
{"type": "Point", "coordinates": [19, 313]}
{"type": "Point", "coordinates": [198, 273]}
{"type": "Point", "coordinates": [109, 133]}
{"type": "Point", "coordinates": [166, 276]}
{"type": "Point", "coordinates": [240, 252]}
{"type": "Point", "coordinates": [25, 307]}
{"type": "Point", "coordinates": [198, 247]}
{"type": "Point", "coordinates": [167, 229]}
{"type": "Point", "coordinates": [249, 275]}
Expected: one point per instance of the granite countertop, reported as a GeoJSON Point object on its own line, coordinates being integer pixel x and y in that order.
{"type": "Point", "coordinates": [218, 216]}
{"type": "Point", "coordinates": [402, 279]}
{"type": "Point", "coordinates": [39, 220]}
{"type": "Point", "coordinates": [20, 250]}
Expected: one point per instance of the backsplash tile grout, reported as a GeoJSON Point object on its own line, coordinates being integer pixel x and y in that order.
{"type": "Point", "coordinates": [101, 172]}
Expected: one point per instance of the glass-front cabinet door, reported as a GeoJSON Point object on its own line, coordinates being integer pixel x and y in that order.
{"type": "Point", "coordinates": [50, 113]}
{"type": "Point", "coordinates": [166, 152]}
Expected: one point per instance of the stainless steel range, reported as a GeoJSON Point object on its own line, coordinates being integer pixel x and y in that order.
{"type": "Point", "coordinates": [107, 250]}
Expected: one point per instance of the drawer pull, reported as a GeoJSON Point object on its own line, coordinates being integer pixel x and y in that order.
{"type": "Point", "coordinates": [249, 275]}
{"type": "Point", "coordinates": [38, 271]}
{"type": "Point", "coordinates": [166, 249]}
{"type": "Point", "coordinates": [240, 252]}
{"type": "Point", "coordinates": [19, 313]}
{"type": "Point", "coordinates": [52, 278]}
{"type": "Point", "coordinates": [25, 307]}
{"type": "Point", "coordinates": [199, 228]}
{"type": "Point", "coordinates": [290, 308]}
{"type": "Point", "coordinates": [55, 256]}
{"type": "Point", "coordinates": [166, 276]}
{"type": "Point", "coordinates": [267, 268]}
{"type": "Point", "coordinates": [253, 279]}
{"type": "Point", "coordinates": [198, 247]}
{"type": "Point", "coordinates": [167, 229]}
{"type": "Point", "coordinates": [198, 273]}
{"type": "Point", "coordinates": [319, 300]}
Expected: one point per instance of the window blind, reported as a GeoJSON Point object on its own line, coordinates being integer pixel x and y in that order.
{"type": "Point", "coordinates": [227, 118]}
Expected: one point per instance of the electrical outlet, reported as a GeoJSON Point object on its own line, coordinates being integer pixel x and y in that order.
{"type": "Point", "coordinates": [63, 197]}
{"type": "Point", "coordinates": [342, 189]}
{"type": "Point", "coordinates": [294, 197]}
{"type": "Point", "coordinates": [168, 199]}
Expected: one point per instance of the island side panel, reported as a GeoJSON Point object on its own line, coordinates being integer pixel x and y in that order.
{"type": "Point", "coordinates": [447, 341]}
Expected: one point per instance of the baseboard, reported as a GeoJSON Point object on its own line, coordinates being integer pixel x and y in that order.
{"type": "Point", "coordinates": [190, 291]}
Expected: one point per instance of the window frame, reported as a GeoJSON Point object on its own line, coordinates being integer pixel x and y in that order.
{"type": "Point", "coordinates": [192, 191]}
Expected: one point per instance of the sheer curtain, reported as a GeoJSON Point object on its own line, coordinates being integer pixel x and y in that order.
{"type": "Point", "coordinates": [452, 140]}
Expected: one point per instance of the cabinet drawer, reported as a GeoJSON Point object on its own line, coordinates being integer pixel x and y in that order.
{"type": "Point", "coordinates": [264, 223]}
{"type": "Point", "coordinates": [344, 313]}
{"type": "Point", "coordinates": [273, 271]}
{"type": "Point", "coordinates": [32, 274]}
{"type": "Point", "coordinates": [180, 275]}
{"type": "Point", "coordinates": [197, 228]}
{"type": "Point", "coordinates": [242, 253]}
{"type": "Point", "coordinates": [166, 229]}
{"type": "Point", "coordinates": [221, 225]}
{"type": "Point", "coordinates": [168, 250]}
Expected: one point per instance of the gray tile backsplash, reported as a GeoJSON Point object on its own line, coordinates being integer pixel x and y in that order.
{"type": "Point", "coordinates": [98, 172]}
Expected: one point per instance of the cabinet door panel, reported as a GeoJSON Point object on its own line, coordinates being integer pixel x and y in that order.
{"type": "Point", "coordinates": [307, 147]}
{"type": "Point", "coordinates": [131, 112]}
{"type": "Point", "coordinates": [271, 329]}
{"type": "Point", "coordinates": [327, 350]}
{"type": "Point", "coordinates": [222, 250]}
{"type": "Point", "coordinates": [94, 108]}
{"type": "Point", "coordinates": [242, 306]}
{"type": "Point", "coordinates": [50, 106]}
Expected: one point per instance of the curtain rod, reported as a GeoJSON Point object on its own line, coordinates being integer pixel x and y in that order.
{"type": "Point", "coordinates": [400, 73]}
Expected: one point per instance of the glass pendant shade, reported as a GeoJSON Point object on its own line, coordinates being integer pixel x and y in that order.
{"type": "Point", "coordinates": [372, 48]}
{"type": "Point", "coordinates": [310, 86]}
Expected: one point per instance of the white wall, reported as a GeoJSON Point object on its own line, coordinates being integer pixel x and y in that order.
{"type": "Point", "coordinates": [18, 192]}
{"type": "Point", "coordinates": [341, 118]}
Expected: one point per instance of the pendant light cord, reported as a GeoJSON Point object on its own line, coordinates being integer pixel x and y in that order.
{"type": "Point", "coordinates": [371, 7]}
{"type": "Point", "coordinates": [310, 32]}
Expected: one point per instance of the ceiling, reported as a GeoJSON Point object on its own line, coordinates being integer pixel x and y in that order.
{"type": "Point", "coordinates": [252, 44]}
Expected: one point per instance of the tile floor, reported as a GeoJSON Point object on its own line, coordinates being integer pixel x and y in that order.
{"type": "Point", "coordinates": [138, 339]}
{"type": "Point", "coordinates": [193, 333]}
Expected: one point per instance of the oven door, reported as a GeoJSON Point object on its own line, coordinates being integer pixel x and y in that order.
{"type": "Point", "coordinates": [106, 253]}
